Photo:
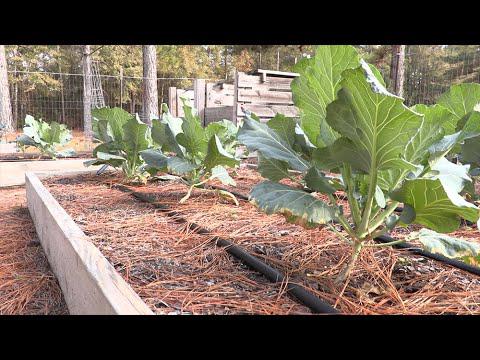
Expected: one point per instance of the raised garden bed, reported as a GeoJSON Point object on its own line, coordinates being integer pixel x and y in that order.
{"type": "Point", "coordinates": [175, 270]}
{"type": "Point", "coordinates": [27, 284]}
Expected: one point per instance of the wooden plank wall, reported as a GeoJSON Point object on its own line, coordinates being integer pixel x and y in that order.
{"type": "Point", "coordinates": [264, 94]}
{"type": "Point", "coordinates": [175, 102]}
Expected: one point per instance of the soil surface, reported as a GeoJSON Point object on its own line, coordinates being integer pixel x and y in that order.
{"type": "Point", "coordinates": [177, 271]}
{"type": "Point", "coordinates": [27, 285]}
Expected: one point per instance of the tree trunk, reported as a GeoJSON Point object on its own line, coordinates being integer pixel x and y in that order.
{"type": "Point", "coordinates": [150, 91]}
{"type": "Point", "coordinates": [87, 91]}
{"type": "Point", "coordinates": [6, 118]}
{"type": "Point", "coordinates": [397, 70]}
{"type": "Point", "coordinates": [62, 87]}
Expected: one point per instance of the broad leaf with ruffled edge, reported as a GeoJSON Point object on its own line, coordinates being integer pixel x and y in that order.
{"type": "Point", "coordinates": [216, 155]}
{"type": "Point", "coordinates": [108, 123]}
{"type": "Point", "coordinates": [435, 206]}
{"type": "Point", "coordinates": [377, 123]}
{"type": "Point", "coordinates": [454, 248]}
{"type": "Point", "coordinates": [296, 205]}
{"type": "Point", "coordinates": [317, 86]}
{"type": "Point", "coordinates": [259, 136]}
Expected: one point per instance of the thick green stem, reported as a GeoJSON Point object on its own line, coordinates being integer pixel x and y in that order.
{"type": "Point", "coordinates": [380, 219]}
{"type": "Point", "coordinates": [350, 188]}
{"type": "Point", "coordinates": [348, 269]}
{"type": "Point", "coordinates": [368, 205]}
{"type": "Point", "coordinates": [387, 244]}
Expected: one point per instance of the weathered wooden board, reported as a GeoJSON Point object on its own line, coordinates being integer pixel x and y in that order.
{"type": "Point", "coordinates": [268, 111]}
{"type": "Point", "coordinates": [219, 95]}
{"type": "Point", "coordinates": [259, 95]}
{"type": "Point", "coordinates": [218, 113]}
{"type": "Point", "coordinates": [90, 284]}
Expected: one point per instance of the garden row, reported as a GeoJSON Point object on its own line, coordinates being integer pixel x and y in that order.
{"type": "Point", "coordinates": [356, 154]}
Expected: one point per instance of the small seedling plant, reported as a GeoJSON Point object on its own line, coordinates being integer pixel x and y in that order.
{"type": "Point", "coordinates": [197, 154]}
{"type": "Point", "coordinates": [357, 137]}
{"type": "Point", "coordinates": [46, 137]}
{"type": "Point", "coordinates": [123, 136]}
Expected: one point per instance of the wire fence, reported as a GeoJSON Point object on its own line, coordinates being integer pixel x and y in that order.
{"type": "Point", "coordinates": [59, 96]}
{"type": "Point", "coordinates": [429, 71]}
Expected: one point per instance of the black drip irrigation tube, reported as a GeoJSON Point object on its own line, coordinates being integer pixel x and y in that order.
{"type": "Point", "coordinates": [417, 251]}
{"type": "Point", "coordinates": [414, 250]}
{"type": "Point", "coordinates": [305, 297]}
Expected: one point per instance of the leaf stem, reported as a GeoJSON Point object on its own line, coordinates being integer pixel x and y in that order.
{"type": "Point", "coordinates": [391, 243]}
{"type": "Point", "coordinates": [350, 188]}
{"type": "Point", "coordinates": [362, 230]}
{"type": "Point", "coordinates": [380, 219]}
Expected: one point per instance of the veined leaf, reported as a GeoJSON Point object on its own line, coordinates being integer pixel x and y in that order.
{"type": "Point", "coordinates": [375, 121]}
{"type": "Point", "coordinates": [220, 173]}
{"type": "Point", "coordinates": [317, 86]}
{"type": "Point", "coordinates": [461, 99]}
{"type": "Point", "coordinates": [193, 137]}
{"type": "Point", "coordinates": [454, 248]}
{"type": "Point", "coordinates": [317, 181]}
{"type": "Point", "coordinates": [258, 136]}
{"type": "Point", "coordinates": [284, 127]}
{"type": "Point", "coordinates": [434, 207]}
{"type": "Point", "coordinates": [272, 169]}
{"type": "Point", "coordinates": [179, 166]}
{"type": "Point", "coordinates": [164, 133]}
{"type": "Point", "coordinates": [155, 159]}
{"type": "Point", "coordinates": [296, 205]}
{"type": "Point", "coordinates": [137, 136]}
{"type": "Point", "coordinates": [216, 155]}
{"type": "Point", "coordinates": [112, 119]}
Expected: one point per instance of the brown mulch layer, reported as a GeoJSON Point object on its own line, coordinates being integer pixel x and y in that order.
{"type": "Point", "coordinates": [166, 265]}
{"type": "Point", "coordinates": [27, 285]}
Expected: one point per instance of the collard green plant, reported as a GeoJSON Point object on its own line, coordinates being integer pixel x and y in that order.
{"type": "Point", "coordinates": [188, 150]}
{"type": "Point", "coordinates": [123, 136]}
{"type": "Point", "coordinates": [380, 152]}
{"type": "Point", "coordinates": [46, 137]}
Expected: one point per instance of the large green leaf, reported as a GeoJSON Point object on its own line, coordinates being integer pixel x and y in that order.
{"type": "Point", "coordinates": [193, 137]}
{"type": "Point", "coordinates": [317, 86]}
{"type": "Point", "coordinates": [220, 173]}
{"type": "Point", "coordinates": [113, 119]}
{"type": "Point", "coordinates": [454, 248]}
{"type": "Point", "coordinates": [180, 166]}
{"type": "Point", "coordinates": [317, 181]}
{"type": "Point", "coordinates": [430, 132]}
{"type": "Point", "coordinates": [272, 169]}
{"type": "Point", "coordinates": [434, 207]}
{"type": "Point", "coordinates": [375, 121]}
{"type": "Point", "coordinates": [216, 155]}
{"type": "Point", "coordinates": [155, 159]}
{"type": "Point", "coordinates": [259, 136]}
{"type": "Point", "coordinates": [284, 127]}
{"type": "Point", "coordinates": [460, 100]}
{"type": "Point", "coordinates": [164, 133]}
{"type": "Point", "coordinates": [137, 136]}
{"type": "Point", "coordinates": [296, 205]}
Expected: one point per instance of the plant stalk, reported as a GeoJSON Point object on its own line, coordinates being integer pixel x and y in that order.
{"type": "Point", "coordinates": [357, 248]}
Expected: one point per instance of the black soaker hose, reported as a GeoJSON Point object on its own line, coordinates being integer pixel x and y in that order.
{"type": "Point", "coordinates": [275, 276]}
{"type": "Point", "coordinates": [417, 251]}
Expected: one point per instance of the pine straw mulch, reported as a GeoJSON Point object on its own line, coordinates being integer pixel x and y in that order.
{"type": "Point", "coordinates": [27, 285]}
{"type": "Point", "coordinates": [172, 268]}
